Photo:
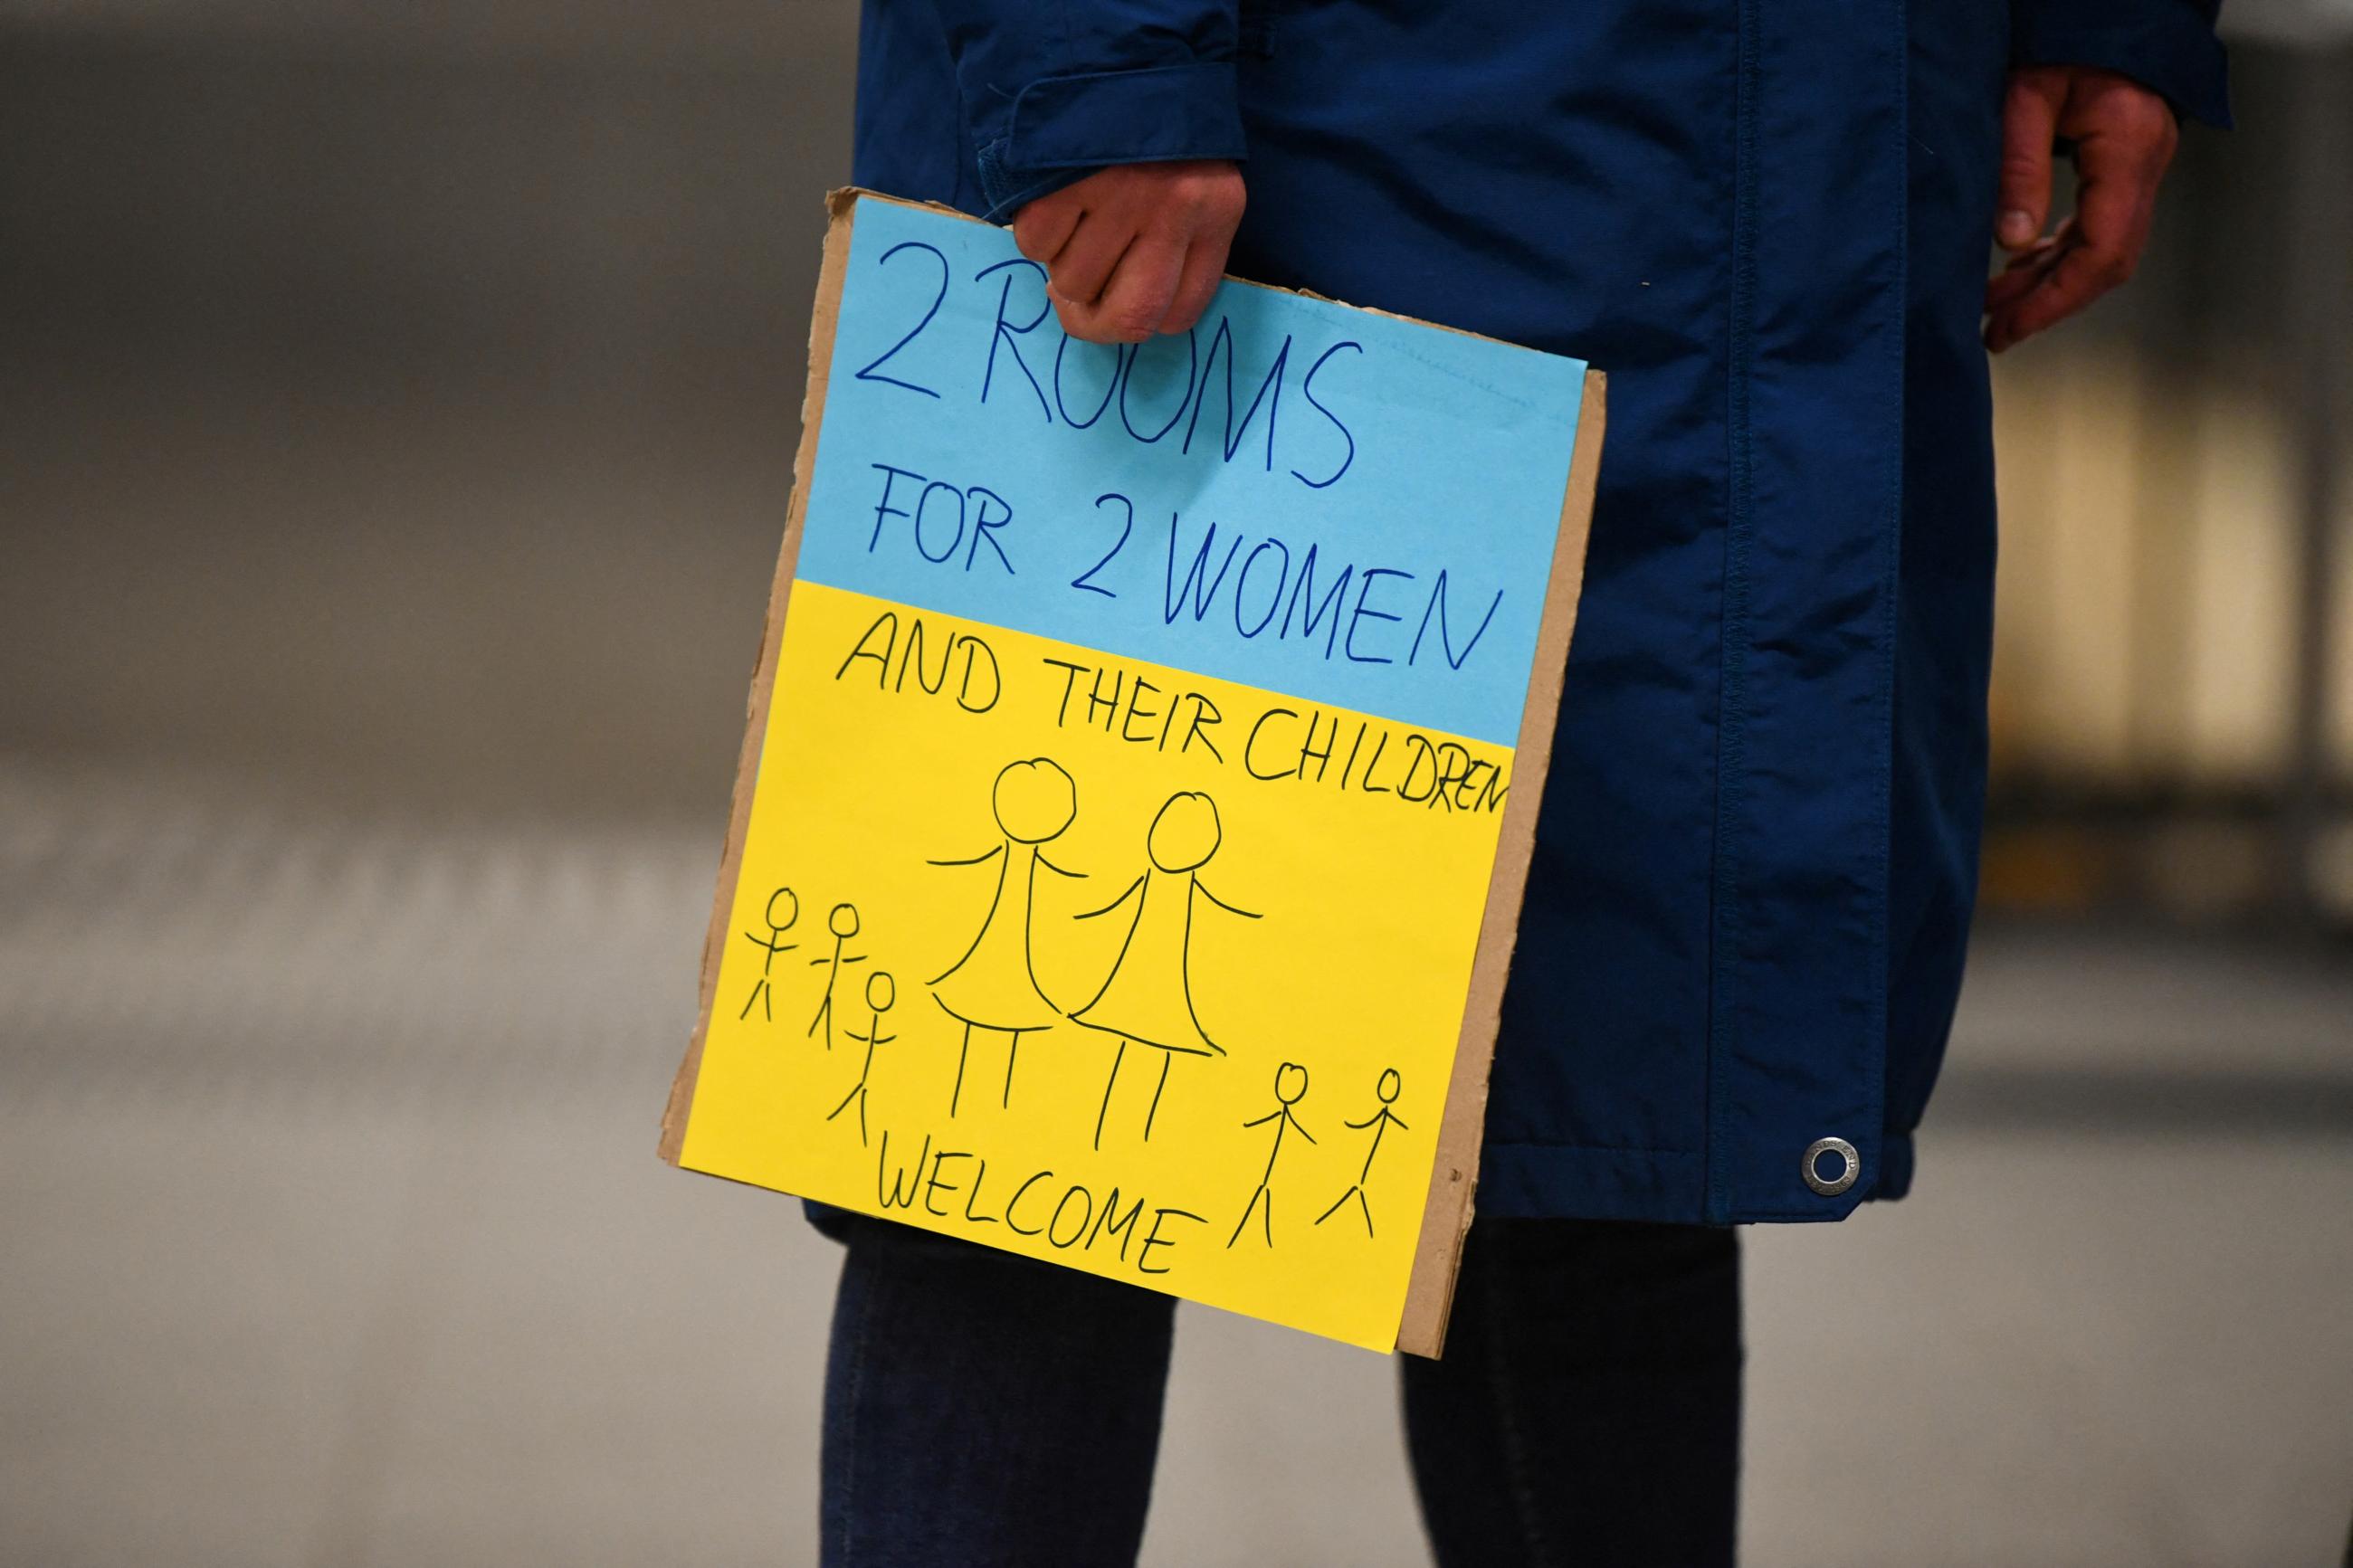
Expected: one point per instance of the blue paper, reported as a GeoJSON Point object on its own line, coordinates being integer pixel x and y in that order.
{"type": "Point", "coordinates": [1365, 519]}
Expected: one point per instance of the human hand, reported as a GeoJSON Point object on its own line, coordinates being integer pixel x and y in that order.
{"type": "Point", "coordinates": [2124, 137]}
{"type": "Point", "coordinates": [1134, 249]}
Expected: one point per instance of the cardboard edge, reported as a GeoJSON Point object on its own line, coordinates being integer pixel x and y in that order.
{"type": "Point", "coordinates": [1454, 1176]}
{"type": "Point", "coordinates": [1447, 1212]}
{"type": "Point", "coordinates": [859, 192]}
{"type": "Point", "coordinates": [840, 216]}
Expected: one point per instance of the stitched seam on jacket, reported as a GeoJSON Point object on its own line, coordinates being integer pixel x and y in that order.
{"type": "Point", "coordinates": [1891, 582]}
{"type": "Point", "coordinates": [1590, 1148]}
{"type": "Point", "coordinates": [1732, 692]}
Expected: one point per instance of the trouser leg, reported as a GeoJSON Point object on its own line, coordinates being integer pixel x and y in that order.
{"type": "Point", "coordinates": [1588, 1408]}
{"type": "Point", "coordinates": [984, 1410]}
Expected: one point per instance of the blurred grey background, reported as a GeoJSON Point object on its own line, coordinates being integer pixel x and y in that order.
{"type": "Point", "coordinates": [396, 410]}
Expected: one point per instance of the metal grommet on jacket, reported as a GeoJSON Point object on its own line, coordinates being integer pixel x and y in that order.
{"type": "Point", "coordinates": [1833, 1186]}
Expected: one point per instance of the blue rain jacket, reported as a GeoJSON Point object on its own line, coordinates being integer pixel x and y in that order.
{"type": "Point", "coordinates": [1768, 222]}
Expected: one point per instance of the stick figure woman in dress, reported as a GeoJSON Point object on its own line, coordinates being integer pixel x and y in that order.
{"type": "Point", "coordinates": [1290, 1087]}
{"type": "Point", "coordinates": [842, 921]}
{"type": "Point", "coordinates": [881, 993]}
{"type": "Point", "coordinates": [995, 984]}
{"type": "Point", "coordinates": [1380, 1121]}
{"type": "Point", "coordinates": [763, 989]}
{"type": "Point", "coordinates": [1147, 998]}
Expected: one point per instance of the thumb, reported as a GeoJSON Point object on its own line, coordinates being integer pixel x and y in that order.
{"type": "Point", "coordinates": [2030, 127]}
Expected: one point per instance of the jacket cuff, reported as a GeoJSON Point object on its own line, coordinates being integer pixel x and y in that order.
{"type": "Point", "coordinates": [1060, 128]}
{"type": "Point", "coordinates": [2167, 46]}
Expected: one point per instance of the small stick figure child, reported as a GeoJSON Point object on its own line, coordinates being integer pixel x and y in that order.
{"type": "Point", "coordinates": [1290, 1086]}
{"type": "Point", "coordinates": [842, 921]}
{"type": "Point", "coordinates": [1380, 1121]}
{"type": "Point", "coordinates": [763, 989]}
{"type": "Point", "coordinates": [880, 994]}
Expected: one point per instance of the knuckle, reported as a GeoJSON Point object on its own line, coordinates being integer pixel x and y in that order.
{"type": "Point", "coordinates": [1131, 323]}
{"type": "Point", "coordinates": [2022, 169]}
{"type": "Point", "coordinates": [1101, 324]}
{"type": "Point", "coordinates": [1214, 191]}
{"type": "Point", "coordinates": [2150, 149]}
{"type": "Point", "coordinates": [1202, 195]}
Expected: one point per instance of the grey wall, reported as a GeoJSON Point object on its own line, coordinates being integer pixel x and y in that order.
{"type": "Point", "coordinates": [397, 401]}
{"type": "Point", "coordinates": [404, 410]}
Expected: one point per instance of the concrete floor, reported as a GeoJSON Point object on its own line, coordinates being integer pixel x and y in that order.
{"type": "Point", "coordinates": [334, 1235]}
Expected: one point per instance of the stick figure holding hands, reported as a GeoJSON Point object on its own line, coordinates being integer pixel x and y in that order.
{"type": "Point", "coordinates": [995, 984]}
{"type": "Point", "coordinates": [1380, 1121]}
{"type": "Point", "coordinates": [763, 989]}
{"type": "Point", "coordinates": [881, 993]}
{"type": "Point", "coordinates": [842, 921]}
{"type": "Point", "coordinates": [1147, 998]}
{"type": "Point", "coordinates": [1290, 1087]}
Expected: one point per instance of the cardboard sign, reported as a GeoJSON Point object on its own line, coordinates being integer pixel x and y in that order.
{"type": "Point", "coordinates": [1142, 769]}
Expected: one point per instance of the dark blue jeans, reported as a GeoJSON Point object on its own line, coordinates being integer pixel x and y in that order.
{"type": "Point", "coordinates": [1587, 1412]}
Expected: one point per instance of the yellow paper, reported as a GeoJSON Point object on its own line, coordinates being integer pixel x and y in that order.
{"type": "Point", "coordinates": [918, 1016]}
{"type": "Point", "coordinates": [1133, 832]}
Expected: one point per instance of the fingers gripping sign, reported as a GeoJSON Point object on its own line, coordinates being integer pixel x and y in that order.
{"type": "Point", "coordinates": [1134, 249]}
{"type": "Point", "coordinates": [2123, 136]}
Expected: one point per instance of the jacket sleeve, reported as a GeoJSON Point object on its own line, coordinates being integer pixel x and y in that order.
{"type": "Point", "coordinates": [1053, 90]}
{"type": "Point", "coordinates": [2167, 46]}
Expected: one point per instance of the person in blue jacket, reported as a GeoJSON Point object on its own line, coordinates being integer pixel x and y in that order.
{"type": "Point", "coordinates": [1744, 928]}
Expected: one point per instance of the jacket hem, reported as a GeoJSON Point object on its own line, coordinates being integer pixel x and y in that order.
{"type": "Point", "coordinates": [1062, 127]}
{"type": "Point", "coordinates": [2172, 51]}
{"type": "Point", "coordinates": [1557, 1181]}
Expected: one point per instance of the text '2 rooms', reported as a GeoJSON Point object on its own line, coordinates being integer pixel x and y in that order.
{"type": "Point", "coordinates": [1190, 402]}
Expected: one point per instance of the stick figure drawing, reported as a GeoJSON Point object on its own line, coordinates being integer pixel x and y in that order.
{"type": "Point", "coordinates": [881, 993]}
{"type": "Point", "coordinates": [1379, 1121]}
{"type": "Point", "coordinates": [763, 990]}
{"type": "Point", "coordinates": [1147, 998]}
{"type": "Point", "coordinates": [1289, 1088]}
{"type": "Point", "coordinates": [994, 986]}
{"type": "Point", "coordinates": [842, 921]}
